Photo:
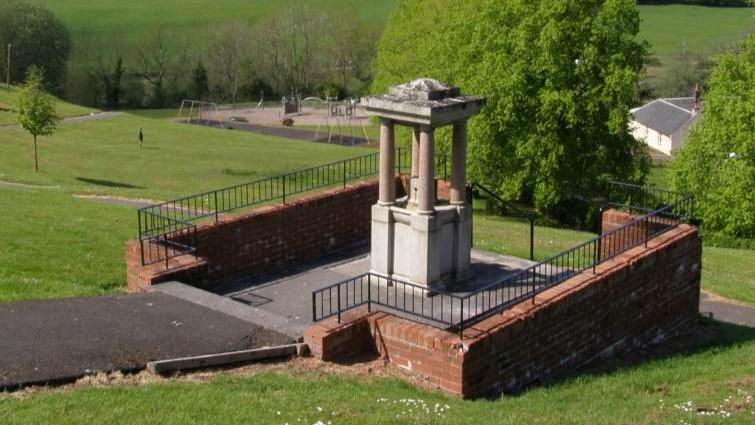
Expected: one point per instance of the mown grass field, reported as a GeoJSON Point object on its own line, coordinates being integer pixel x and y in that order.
{"type": "Point", "coordinates": [702, 29]}
{"type": "Point", "coordinates": [717, 378]}
{"type": "Point", "coordinates": [120, 23]}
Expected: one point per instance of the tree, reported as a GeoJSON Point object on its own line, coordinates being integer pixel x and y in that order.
{"type": "Point", "coordinates": [349, 46]}
{"type": "Point", "coordinates": [559, 77]}
{"type": "Point", "coordinates": [717, 163]}
{"type": "Point", "coordinates": [112, 82]}
{"type": "Point", "coordinates": [683, 74]}
{"type": "Point", "coordinates": [36, 109]}
{"type": "Point", "coordinates": [199, 86]}
{"type": "Point", "coordinates": [228, 49]}
{"type": "Point", "coordinates": [290, 49]}
{"type": "Point", "coordinates": [155, 55]}
{"type": "Point", "coordinates": [38, 37]}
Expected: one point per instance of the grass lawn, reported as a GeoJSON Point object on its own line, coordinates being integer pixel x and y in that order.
{"type": "Point", "coordinates": [55, 245]}
{"type": "Point", "coordinates": [511, 236]}
{"type": "Point", "coordinates": [8, 102]}
{"type": "Point", "coordinates": [102, 157]}
{"type": "Point", "coordinates": [730, 272]}
{"type": "Point", "coordinates": [719, 375]}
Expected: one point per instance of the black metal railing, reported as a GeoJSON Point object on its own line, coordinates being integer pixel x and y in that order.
{"type": "Point", "coordinates": [648, 199]}
{"type": "Point", "coordinates": [166, 229]}
{"type": "Point", "coordinates": [517, 211]}
{"type": "Point", "coordinates": [458, 311]}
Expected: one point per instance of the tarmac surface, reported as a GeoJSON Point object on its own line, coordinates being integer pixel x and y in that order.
{"type": "Point", "coordinates": [61, 340]}
{"type": "Point", "coordinates": [725, 310]}
{"type": "Point", "coordinates": [291, 133]}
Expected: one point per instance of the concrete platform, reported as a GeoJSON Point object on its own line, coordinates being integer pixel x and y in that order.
{"type": "Point", "coordinates": [284, 303]}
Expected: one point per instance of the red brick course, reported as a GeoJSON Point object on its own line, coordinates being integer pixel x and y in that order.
{"type": "Point", "coordinates": [641, 297]}
{"type": "Point", "coordinates": [266, 240]}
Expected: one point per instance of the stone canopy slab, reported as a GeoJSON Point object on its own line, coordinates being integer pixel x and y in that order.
{"type": "Point", "coordinates": [423, 102]}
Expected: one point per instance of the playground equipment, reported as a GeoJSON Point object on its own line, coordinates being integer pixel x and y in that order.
{"type": "Point", "coordinates": [340, 116]}
{"type": "Point", "coordinates": [291, 104]}
{"type": "Point", "coordinates": [202, 112]}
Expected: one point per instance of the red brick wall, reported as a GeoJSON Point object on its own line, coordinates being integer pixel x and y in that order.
{"type": "Point", "coordinates": [267, 239]}
{"type": "Point", "coordinates": [619, 240]}
{"type": "Point", "coordinates": [641, 297]}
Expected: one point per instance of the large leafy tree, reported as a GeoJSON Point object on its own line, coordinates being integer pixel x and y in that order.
{"type": "Point", "coordinates": [37, 37]}
{"type": "Point", "coordinates": [717, 163]}
{"type": "Point", "coordinates": [36, 109]}
{"type": "Point", "coordinates": [559, 76]}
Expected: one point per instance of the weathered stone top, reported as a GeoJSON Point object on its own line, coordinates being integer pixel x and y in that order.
{"type": "Point", "coordinates": [424, 89]}
{"type": "Point", "coordinates": [425, 102]}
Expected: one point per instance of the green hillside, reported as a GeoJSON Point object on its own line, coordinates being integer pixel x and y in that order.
{"type": "Point", "coordinates": [703, 29]}
{"type": "Point", "coordinates": [127, 21]}
{"type": "Point", "coordinates": [8, 105]}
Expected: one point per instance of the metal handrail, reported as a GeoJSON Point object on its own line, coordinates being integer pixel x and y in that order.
{"type": "Point", "coordinates": [530, 217]}
{"type": "Point", "coordinates": [168, 217]}
{"type": "Point", "coordinates": [520, 286]}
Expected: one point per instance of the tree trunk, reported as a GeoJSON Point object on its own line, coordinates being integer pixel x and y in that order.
{"type": "Point", "coordinates": [36, 164]}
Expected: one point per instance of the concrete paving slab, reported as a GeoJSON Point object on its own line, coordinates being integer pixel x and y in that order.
{"type": "Point", "coordinates": [61, 340]}
{"type": "Point", "coordinates": [284, 303]}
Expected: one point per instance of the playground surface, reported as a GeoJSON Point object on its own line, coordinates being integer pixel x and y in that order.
{"type": "Point", "coordinates": [308, 116]}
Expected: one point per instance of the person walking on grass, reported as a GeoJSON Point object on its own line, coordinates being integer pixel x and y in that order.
{"type": "Point", "coordinates": [140, 136]}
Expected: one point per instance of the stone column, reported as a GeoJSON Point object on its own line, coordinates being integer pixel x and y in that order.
{"type": "Point", "coordinates": [426, 195]}
{"type": "Point", "coordinates": [459, 163]}
{"type": "Point", "coordinates": [387, 189]}
{"type": "Point", "coordinates": [414, 176]}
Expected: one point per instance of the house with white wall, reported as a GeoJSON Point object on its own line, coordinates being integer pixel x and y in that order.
{"type": "Point", "coordinates": [663, 124]}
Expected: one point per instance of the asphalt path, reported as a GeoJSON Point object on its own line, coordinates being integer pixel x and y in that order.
{"type": "Point", "coordinates": [61, 340]}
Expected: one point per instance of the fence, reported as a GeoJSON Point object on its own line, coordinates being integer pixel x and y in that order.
{"type": "Point", "coordinates": [518, 212]}
{"type": "Point", "coordinates": [458, 311]}
{"type": "Point", "coordinates": [168, 230]}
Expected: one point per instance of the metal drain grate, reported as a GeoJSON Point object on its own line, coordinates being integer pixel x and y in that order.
{"type": "Point", "coordinates": [251, 299]}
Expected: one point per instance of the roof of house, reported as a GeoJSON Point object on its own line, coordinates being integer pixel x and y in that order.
{"type": "Point", "coordinates": [666, 115]}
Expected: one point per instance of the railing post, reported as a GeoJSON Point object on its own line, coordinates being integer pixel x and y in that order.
{"type": "Point", "coordinates": [196, 243]}
{"type": "Point", "coordinates": [216, 206]}
{"type": "Point", "coordinates": [369, 293]}
{"type": "Point", "coordinates": [647, 230]}
{"type": "Point", "coordinates": [461, 319]}
{"type": "Point", "coordinates": [141, 240]}
{"type": "Point", "coordinates": [314, 308]}
{"type": "Point", "coordinates": [284, 188]}
{"type": "Point", "coordinates": [532, 239]}
{"type": "Point", "coordinates": [344, 174]}
{"type": "Point", "coordinates": [165, 237]}
{"type": "Point", "coordinates": [339, 303]}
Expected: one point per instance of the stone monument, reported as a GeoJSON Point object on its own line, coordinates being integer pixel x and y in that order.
{"type": "Point", "coordinates": [415, 238]}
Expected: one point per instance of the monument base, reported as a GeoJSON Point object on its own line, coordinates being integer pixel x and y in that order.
{"type": "Point", "coordinates": [432, 251]}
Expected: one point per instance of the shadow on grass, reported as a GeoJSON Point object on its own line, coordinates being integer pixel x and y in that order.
{"type": "Point", "coordinates": [108, 183]}
{"type": "Point", "coordinates": [708, 335]}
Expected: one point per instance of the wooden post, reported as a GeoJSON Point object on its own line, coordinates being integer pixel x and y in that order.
{"type": "Point", "coordinates": [7, 69]}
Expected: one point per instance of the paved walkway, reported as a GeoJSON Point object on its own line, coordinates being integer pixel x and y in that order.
{"type": "Point", "coordinates": [726, 310]}
{"type": "Point", "coordinates": [61, 340]}
{"type": "Point", "coordinates": [11, 185]}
